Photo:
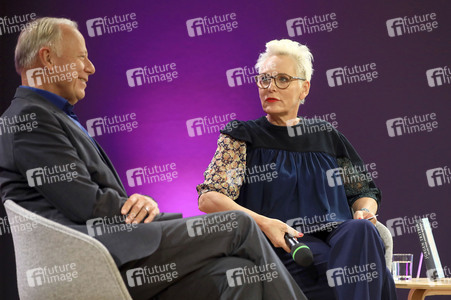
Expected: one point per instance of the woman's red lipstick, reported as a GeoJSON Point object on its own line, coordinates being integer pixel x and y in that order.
{"type": "Point", "coordinates": [272, 100]}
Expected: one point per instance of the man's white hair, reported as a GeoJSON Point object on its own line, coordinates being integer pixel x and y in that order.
{"type": "Point", "coordinates": [40, 33]}
{"type": "Point", "coordinates": [300, 53]}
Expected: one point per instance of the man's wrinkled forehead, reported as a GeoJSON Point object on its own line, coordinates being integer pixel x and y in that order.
{"type": "Point", "coordinates": [70, 32]}
{"type": "Point", "coordinates": [70, 36]}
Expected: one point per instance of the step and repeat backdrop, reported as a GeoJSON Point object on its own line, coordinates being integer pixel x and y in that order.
{"type": "Point", "coordinates": [171, 74]}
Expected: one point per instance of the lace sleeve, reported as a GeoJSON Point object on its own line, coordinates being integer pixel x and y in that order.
{"type": "Point", "coordinates": [357, 181]}
{"type": "Point", "coordinates": [225, 173]}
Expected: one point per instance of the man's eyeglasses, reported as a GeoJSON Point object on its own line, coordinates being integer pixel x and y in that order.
{"type": "Point", "coordinates": [281, 80]}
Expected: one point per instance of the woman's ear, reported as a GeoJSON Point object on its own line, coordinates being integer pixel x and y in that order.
{"type": "Point", "coordinates": [305, 88]}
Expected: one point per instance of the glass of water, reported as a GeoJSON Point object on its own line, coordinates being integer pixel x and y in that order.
{"type": "Point", "coordinates": [402, 266]}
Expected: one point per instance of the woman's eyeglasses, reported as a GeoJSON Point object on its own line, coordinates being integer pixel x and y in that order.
{"type": "Point", "coordinates": [281, 80]}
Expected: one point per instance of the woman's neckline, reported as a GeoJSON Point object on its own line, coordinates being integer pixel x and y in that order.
{"type": "Point", "coordinates": [278, 127]}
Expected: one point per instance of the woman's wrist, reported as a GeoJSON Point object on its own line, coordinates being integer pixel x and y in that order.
{"type": "Point", "coordinates": [261, 221]}
{"type": "Point", "coordinates": [365, 204]}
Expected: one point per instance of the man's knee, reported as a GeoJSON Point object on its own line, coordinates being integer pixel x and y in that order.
{"type": "Point", "coordinates": [237, 219]}
{"type": "Point", "coordinates": [242, 217]}
{"type": "Point", "coordinates": [233, 270]}
{"type": "Point", "coordinates": [226, 272]}
{"type": "Point", "coordinates": [221, 278]}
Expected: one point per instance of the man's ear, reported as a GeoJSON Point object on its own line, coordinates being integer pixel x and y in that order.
{"type": "Point", "coordinates": [45, 57]}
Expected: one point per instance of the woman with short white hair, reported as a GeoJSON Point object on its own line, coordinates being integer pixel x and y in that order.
{"type": "Point", "coordinates": [282, 168]}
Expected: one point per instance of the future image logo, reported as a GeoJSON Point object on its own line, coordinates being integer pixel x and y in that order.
{"type": "Point", "coordinates": [351, 75]}
{"type": "Point", "coordinates": [152, 75]}
{"type": "Point", "coordinates": [17, 23]}
{"type": "Point", "coordinates": [110, 125]}
{"type": "Point", "coordinates": [315, 223]}
{"type": "Point", "coordinates": [354, 174]}
{"type": "Point", "coordinates": [151, 274]}
{"type": "Point", "coordinates": [438, 76]}
{"type": "Point", "coordinates": [310, 25]}
{"type": "Point", "coordinates": [111, 25]}
{"type": "Point", "coordinates": [411, 124]}
{"type": "Point", "coordinates": [241, 76]}
{"type": "Point", "coordinates": [212, 124]}
{"type": "Point", "coordinates": [409, 25]}
{"type": "Point", "coordinates": [250, 275]}
{"type": "Point", "coordinates": [334, 177]}
{"type": "Point", "coordinates": [443, 275]}
{"type": "Point", "coordinates": [106, 225]}
{"type": "Point", "coordinates": [18, 123]}
{"type": "Point", "coordinates": [51, 275]}
{"type": "Point", "coordinates": [39, 76]}
{"type": "Point", "coordinates": [54, 174]}
{"type": "Point", "coordinates": [211, 224]}
{"type": "Point", "coordinates": [351, 275]}
{"type": "Point", "coordinates": [407, 224]}
{"type": "Point", "coordinates": [210, 25]}
{"type": "Point", "coordinates": [155, 174]}
{"type": "Point", "coordinates": [17, 224]}
{"type": "Point", "coordinates": [252, 174]}
{"type": "Point", "coordinates": [438, 176]}
{"type": "Point", "coordinates": [303, 126]}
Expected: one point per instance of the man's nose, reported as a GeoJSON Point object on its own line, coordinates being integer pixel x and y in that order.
{"type": "Point", "coordinates": [89, 68]}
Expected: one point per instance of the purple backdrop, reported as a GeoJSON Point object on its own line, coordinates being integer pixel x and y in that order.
{"type": "Point", "coordinates": [169, 74]}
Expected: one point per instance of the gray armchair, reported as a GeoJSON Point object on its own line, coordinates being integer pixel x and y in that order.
{"type": "Point", "coordinates": [387, 238]}
{"type": "Point", "coordinates": [40, 243]}
{"type": "Point", "coordinates": [57, 262]}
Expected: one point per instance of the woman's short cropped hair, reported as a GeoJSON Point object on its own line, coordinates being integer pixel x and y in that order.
{"type": "Point", "coordinates": [300, 53]}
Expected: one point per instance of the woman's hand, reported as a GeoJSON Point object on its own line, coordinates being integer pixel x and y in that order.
{"type": "Point", "coordinates": [360, 214]}
{"type": "Point", "coordinates": [275, 231]}
{"type": "Point", "coordinates": [365, 208]}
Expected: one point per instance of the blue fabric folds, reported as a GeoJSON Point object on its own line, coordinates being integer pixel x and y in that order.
{"type": "Point", "coordinates": [287, 185]}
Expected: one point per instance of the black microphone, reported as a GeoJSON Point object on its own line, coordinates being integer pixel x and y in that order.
{"type": "Point", "coordinates": [300, 252]}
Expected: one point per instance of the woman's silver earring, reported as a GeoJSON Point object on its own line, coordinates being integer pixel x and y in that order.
{"type": "Point", "coordinates": [302, 101]}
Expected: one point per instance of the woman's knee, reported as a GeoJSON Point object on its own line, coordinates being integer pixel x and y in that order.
{"type": "Point", "coordinates": [362, 226]}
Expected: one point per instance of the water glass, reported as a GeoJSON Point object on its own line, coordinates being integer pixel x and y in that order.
{"type": "Point", "coordinates": [402, 266]}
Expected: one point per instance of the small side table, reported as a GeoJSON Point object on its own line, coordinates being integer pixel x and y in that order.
{"type": "Point", "coordinates": [422, 287]}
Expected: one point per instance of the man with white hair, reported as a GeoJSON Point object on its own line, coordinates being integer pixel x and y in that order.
{"type": "Point", "coordinates": [50, 165]}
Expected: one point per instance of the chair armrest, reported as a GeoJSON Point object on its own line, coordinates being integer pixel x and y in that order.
{"type": "Point", "coordinates": [387, 238]}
